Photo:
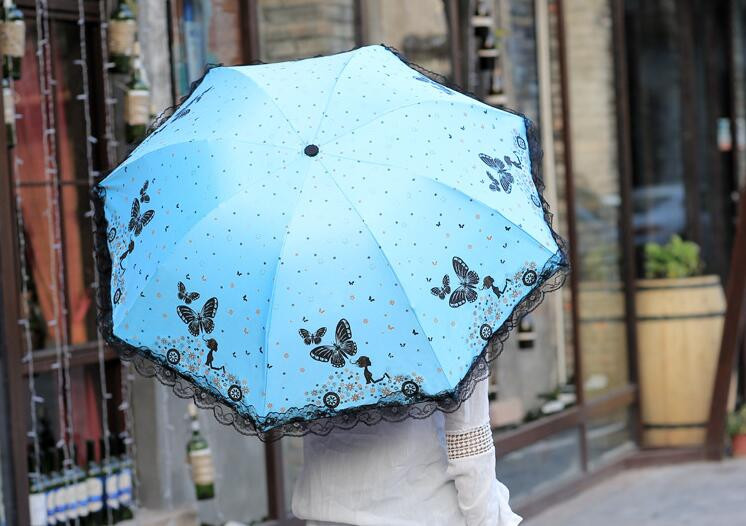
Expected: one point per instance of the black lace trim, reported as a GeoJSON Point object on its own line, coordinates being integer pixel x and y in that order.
{"type": "Point", "coordinates": [311, 418]}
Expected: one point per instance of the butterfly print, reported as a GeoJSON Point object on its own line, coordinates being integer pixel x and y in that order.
{"type": "Point", "coordinates": [344, 347]}
{"type": "Point", "coordinates": [468, 280]}
{"type": "Point", "coordinates": [112, 234]}
{"type": "Point", "coordinates": [506, 179]}
{"type": "Point", "coordinates": [138, 221]}
{"type": "Point", "coordinates": [436, 85]}
{"type": "Point", "coordinates": [144, 197]}
{"type": "Point", "coordinates": [309, 338]}
{"type": "Point", "coordinates": [443, 291]}
{"type": "Point", "coordinates": [520, 142]}
{"type": "Point", "coordinates": [187, 297]}
{"type": "Point", "coordinates": [186, 109]}
{"type": "Point", "coordinates": [202, 321]}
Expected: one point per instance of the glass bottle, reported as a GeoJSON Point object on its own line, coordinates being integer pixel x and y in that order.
{"type": "Point", "coordinates": [9, 113]}
{"type": "Point", "coordinates": [51, 489]}
{"type": "Point", "coordinates": [200, 460]}
{"type": "Point", "coordinates": [137, 102]}
{"type": "Point", "coordinates": [12, 39]}
{"type": "Point", "coordinates": [488, 53]}
{"type": "Point", "coordinates": [111, 482]}
{"type": "Point", "coordinates": [125, 483]}
{"type": "Point", "coordinates": [122, 31]}
{"type": "Point", "coordinates": [36, 493]}
{"type": "Point", "coordinates": [481, 20]}
{"type": "Point", "coordinates": [94, 488]}
{"type": "Point", "coordinates": [61, 493]}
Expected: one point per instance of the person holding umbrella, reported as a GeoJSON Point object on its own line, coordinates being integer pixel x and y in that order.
{"type": "Point", "coordinates": [358, 245]}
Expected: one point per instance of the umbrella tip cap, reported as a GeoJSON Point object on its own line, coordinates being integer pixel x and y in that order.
{"type": "Point", "coordinates": [311, 150]}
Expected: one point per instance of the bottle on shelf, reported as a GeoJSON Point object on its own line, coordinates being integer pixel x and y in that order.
{"type": "Point", "coordinates": [12, 39]}
{"type": "Point", "coordinates": [94, 488]}
{"type": "Point", "coordinates": [80, 489]}
{"type": "Point", "coordinates": [111, 483]}
{"type": "Point", "coordinates": [61, 493]}
{"type": "Point", "coordinates": [481, 20]}
{"type": "Point", "coordinates": [51, 487]}
{"type": "Point", "coordinates": [137, 102]}
{"type": "Point", "coordinates": [9, 113]}
{"type": "Point", "coordinates": [200, 459]}
{"type": "Point", "coordinates": [122, 31]}
{"type": "Point", "coordinates": [71, 487]}
{"type": "Point", "coordinates": [36, 493]}
{"type": "Point", "coordinates": [488, 52]}
{"type": "Point", "coordinates": [124, 482]}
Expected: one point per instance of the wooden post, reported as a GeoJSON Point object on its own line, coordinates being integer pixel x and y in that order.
{"type": "Point", "coordinates": [733, 331]}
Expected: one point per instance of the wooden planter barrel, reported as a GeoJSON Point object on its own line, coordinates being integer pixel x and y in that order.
{"type": "Point", "coordinates": [679, 326]}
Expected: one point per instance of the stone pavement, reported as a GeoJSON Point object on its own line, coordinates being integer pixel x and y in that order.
{"type": "Point", "coordinates": [697, 494]}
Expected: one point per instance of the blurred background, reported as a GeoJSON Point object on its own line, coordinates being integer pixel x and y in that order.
{"type": "Point", "coordinates": [641, 108]}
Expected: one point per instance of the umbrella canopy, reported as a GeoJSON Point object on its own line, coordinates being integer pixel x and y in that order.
{"type": "Point", "coordinates": [315, 243]}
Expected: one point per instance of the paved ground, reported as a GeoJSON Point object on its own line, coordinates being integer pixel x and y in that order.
{"type": "Point", "coordinates": [697, 494]}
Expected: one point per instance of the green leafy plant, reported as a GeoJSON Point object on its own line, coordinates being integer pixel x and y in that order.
{"type": "Point", "coordinates": [675, 259]}
{"type": "Point", "coordinates": [737, 422]}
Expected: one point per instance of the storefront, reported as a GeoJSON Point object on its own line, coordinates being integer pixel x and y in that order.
{"type": "Point", "coordinates": [614, 87]}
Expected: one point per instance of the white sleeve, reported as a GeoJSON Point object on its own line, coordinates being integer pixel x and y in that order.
{"type": "Point", "coordinates": [471, 463]}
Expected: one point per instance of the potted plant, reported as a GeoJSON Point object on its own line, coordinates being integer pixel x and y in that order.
{"type": "Point", "coordinates": [737, 431]}
{"type": "Point", "coordinates": [679, 326]}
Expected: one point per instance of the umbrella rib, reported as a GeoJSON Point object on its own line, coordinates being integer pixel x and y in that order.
{"type": "Point", "coordinates": [274, 103]}
{"type": "Point", "coordinates": [440, 183]}
{"type": "Point", "coordinates": [393, 271]}
{"type": "Point", "coordinates": [379, 116]}
{"type": "Point", "coordinates": [131, 160]}
{"type": "Point", "coordinates": [166, 259]}
{"type": "Point", "coordinates": [331, 94]}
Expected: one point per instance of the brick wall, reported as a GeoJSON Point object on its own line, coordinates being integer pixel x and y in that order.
{"type": "Point", "coordinates": [291, 29]}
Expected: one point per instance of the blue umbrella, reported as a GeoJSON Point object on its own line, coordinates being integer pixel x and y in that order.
{"type": "Point", "coordinates": [311, 244]}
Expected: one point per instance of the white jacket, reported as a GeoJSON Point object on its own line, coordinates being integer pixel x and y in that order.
{"type": "Point", "coordinates": [438, 471]}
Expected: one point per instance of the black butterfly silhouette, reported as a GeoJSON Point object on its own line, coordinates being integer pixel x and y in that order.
{"type": "Point", "coordinates": [144, 197]}
{"type": "Point", "coordinates": [371, 299]}
{"type": "Point", "coordinates": [506, 179]}
{"type": "Point", "coordinates": [186, 109]}
{"type": "Point", "coordinates": [187, 297]}
{"type": "Point", "coordinates": [309, 338]}
{"type": "Point", "coordinates": [202, 321]}
{"type": "Point", "coordinates": [466, 290]}
{"type": "Point", "coordinates": [137, 221]}
{"type": "Point", "coordinates": [414, 332]}
{"type": "Point", "coordinates": [342, 348]}
{"type": "Point", "coordinates": [441, 292]}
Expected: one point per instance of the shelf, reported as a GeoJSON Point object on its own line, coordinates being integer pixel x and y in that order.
{"type": "Point", "coordinates": [482, 21]}
{"type": "Point", "coordinates": [496, 99]}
